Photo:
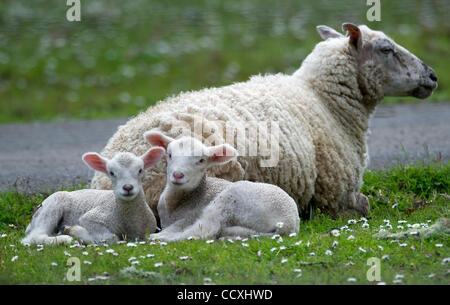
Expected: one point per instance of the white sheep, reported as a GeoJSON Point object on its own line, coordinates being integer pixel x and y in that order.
{"type": "Point", "coordinates": [95, 215]}
{"type": "Point", "coordinates": [207, 207]}
{"type": "Point", "coordinates": [322, 111]}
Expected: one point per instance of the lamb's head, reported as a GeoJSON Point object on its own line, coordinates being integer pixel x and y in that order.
{"type": "Point", "coordinates": [125, 170]}
{"type": "Point", "coordinates": [399, 72]}
{"type": "Point", "coordinates": [188, 158]}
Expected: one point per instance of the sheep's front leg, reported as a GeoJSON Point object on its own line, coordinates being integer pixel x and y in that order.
{"type": "Point", "coordinates": [357, 203]}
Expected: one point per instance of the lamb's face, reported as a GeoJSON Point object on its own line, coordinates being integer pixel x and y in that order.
{"type": "Point", "coordinates": [186, 163]}
{"type": "Point", "coordinates": [403, 73]}
{"type": "Point", "coordinates": [125, 170]}
{"type": "Point", "coordinates": [188, 158]}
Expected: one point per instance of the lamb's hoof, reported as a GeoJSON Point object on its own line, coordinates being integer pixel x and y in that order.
{"type": "Point", "coordinates": [63, 239]}
{"type": "Point", "coordinates": [362, 204]}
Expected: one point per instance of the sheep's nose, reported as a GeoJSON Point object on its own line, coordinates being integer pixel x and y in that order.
{"type": "Point", "coordinates": [433, 76]}
{"type": "Point", "coordinates": [127, 187]}
{"type": "Point", "coordinates": [178, 175]}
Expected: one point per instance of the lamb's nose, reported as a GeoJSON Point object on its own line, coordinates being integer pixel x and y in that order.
{"type": "Point", "coordinates": [127, 187]}
{"type": "Point", "coordinates": [178, 175]}
{"type": "Point", "coordinates": [433, 76]}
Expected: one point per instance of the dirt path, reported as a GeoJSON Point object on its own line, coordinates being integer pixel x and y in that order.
{"type": "Point", "coordinates": [42, 156]}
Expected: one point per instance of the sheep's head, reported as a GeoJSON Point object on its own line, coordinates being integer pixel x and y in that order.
{"type": "Point", "coordinates": [125, 170]}
{"type": "Point", "coordinates": [400, 72]}
{"type": "Point", "coordinates": [188, 158]}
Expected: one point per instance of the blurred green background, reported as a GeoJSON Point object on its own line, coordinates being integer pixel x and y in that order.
{"type": "Point", "coordinates": [126, 55]}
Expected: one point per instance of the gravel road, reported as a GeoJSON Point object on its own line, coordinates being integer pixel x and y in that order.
{"type": "Point", "coordinates": [45, 156]}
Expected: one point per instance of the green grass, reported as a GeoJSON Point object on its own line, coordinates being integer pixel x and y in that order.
{"type": "Point", "coordinates": [392, 194]}
{"type": "Point", "coordinates": [126, 55]}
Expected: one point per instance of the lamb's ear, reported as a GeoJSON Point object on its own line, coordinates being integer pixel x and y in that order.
{"type": "Point", "coordinates": [221, 154]}
{"type": "Point", "coordinates": [326, 32]}
{"type": "Point", "coordinates": [156, 138]}
{"type": "Point", "coordinates": [152, 156]}
{"type": "Point", "coordinates": [355, 37]}
{"type": "Point", "coordinates": [95, 161]}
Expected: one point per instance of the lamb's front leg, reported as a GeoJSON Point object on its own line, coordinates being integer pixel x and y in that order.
{"type": "Point", "coordinates": [96, 233]}
{"type": "Point", "coordinates": [357, 203]}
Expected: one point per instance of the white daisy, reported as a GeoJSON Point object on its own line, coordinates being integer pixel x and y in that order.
{"type": "Point", "coordinates": [283, 248]}
{"type": "Point", "coordinates": [402, 221]}
{"type": "Point", "coordinates": [132, 258]}
{"type": "Point", "coordinates": [210, 241]}
{"type": "Point", "coordinates": [403, 245]}
{"type": "Point", "coordinates": [299, 243]}
{"type": "Point", "coordinates": [416, 226]}
{"type": "Point", "coordinates": [351, 279]}
{"type": "Point", "coordinates": [284, 260]}
{"type": "Point", "coordinates": [439, 245]}
{"type": "Point", "coordinates": [183, 257]}
{"type": "Point", "coordinates": [362, 249]}
{"type": "Point", "coordinates": [87, 262]}
{"type": "Point", "coordinates": [158, 264]}
{"type": "Point", "coordinates": [385, 257]}
{"type": "Point", "coordinates": [135, 262]}
{"type": "Point", "coordinates": [67, 253]}
{"type": "Point", "coordinates": [312, 254]}
{"type": "Point", "coordinates": [192, 238]}
{"type": "Point", "coordinates": [131, 245]}
{"type": "Point", "coordinates": [14, 258]}
{"type": "Point", "coordinates": [351, 221]}
{"type": "Point", "coordinates": [292, 234]}
{"type": "Point", "coordinates": [150, 255]}
{"type": "Point", "coordinates": [273, 249]}
{"type": "Point", "coordinates": [54, 264]}
{"type": "Point", "coordinates": [365, 225]}
{"type": "Point", "coordinates": [335, 233]}
{"type": "Point", "coordinates": [351, 237]}
{"type": "Point", "coordinates": [279, 225]}
{"type": "Point", "coordinates": [245, 244]}
{"type": "Point", "coordinates": [334, 244]}
{"type": "Point", "coordinates": [381, 283]}
{"type": "Point", "coordinates": [328, 252]}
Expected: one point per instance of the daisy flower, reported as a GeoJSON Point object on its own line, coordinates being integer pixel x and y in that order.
{"type": "Point", "coordinates": [14, 258]}
{"type": "Point", "coordinates": [439, 245]}
{"type": "Point", "coordinates": [158, 264]}
{"type": "Point", "coordinates": [54, 264]}
{"type": "Point", "coordinates": [273, 249]}
{"type": "Point", "coordinates": [292, 234]}
{"type": "Point", "coordinates": [207, 279]}
{"type": "Point", "coordinates": [131, 245]}
{"type": "Point", "coordinates": [381, 283]}
{"type": "Point", "coordinates": [312, 254]}
{"type": "Point", "coordinates": [283, 248]}
{"type": "Point", "coordinates": [150, 255]}
{"type": "Point", "coordinates": [416, 226]}
{"type": "Point", "coordinates": [328, 252]}
{"type": "Point", "coordinates": [135, 262]}
{"type": "Point", "coordinates": [67, 253]}
{"type": "Point", "coordinates": [334, 244]}
{"type": "Point", "coordinates": [275, 236]}
{"type": "Point", "coordinates": [244, 244]}
{"type": "Point", "coordinates": [351, 237]}
{"type": "Point", "coordinates": [351, 279]}
{"type": "Point", "coordinates": [298, 270]}
{"type": "Point", "coordinates": [259, 253]}
{"type": "Point", "coordinates": [132, 258]}
{"type": "Point", "coordinates": [362, 249]}
{"type": "Point", "coordinates": [335, 232]}
{"type": "Point", "coordinates": [162, 243]}
{"type": "Point", "coordinates": [279, 225]}
{"type": "Point", "coordinates": [87, 263]}
{"type": "Point", "coordinates": [192, 237]}
{"type": "Point", "coordinates": [402, 221]}
{"type": "Point", "coordinates": [365, 225]}
{"type": "Point", "coordinates": [210, 241]}
{"type": "Point", "coordinates": [299, 243]}
{"type": "Point", "coordinates": [385, 257]}
{"type": "Point", "coordinates": [183, 257]}
{"type": "Point", "coordinates": [351, 221]}
{"type": "Point", "coordinates": [403, 245]}
{"type": "Point", "coordinates": [110, 251]}
{"type": "Point", "coordinates": [400, 227]}
{"type": "Point", "coordinates": [284, 260]}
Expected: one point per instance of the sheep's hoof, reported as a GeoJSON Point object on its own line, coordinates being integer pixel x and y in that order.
{"type": "Point", "coordinates": [65, 230]}
{"type": "Point", "coordinates": [362, 204]}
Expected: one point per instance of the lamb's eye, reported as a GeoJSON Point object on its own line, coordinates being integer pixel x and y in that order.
{"type": "Point", "coordinates": [140, 171]}
{"type": "Point", "coordinates": [170, 156]}
{"type": "Point", "coordinates": [111, 173]}
{"type": "Point", "coordinates": [201, 160]}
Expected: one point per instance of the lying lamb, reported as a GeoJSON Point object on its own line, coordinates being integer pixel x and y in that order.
{"type": "Point", "coordinates": [96, 215]}
{"type": "Point", "coordinates": [322, 110]}
{"type": "Point", "coordinates": [193, 204]}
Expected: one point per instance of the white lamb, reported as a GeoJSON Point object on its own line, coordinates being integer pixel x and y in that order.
{"type": "Point", "coordinates": [97, 215]}
{"type": "Point", "coordinates": [193, 204]}
{"type": "Point", "coordinates": [322, 110]}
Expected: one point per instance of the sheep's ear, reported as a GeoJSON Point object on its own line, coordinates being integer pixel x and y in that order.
{"type": "Point", "coordinates": [152, 156]}
{"type": "Point", "coordinates": [95, 161]}
{"type": "Point", "coordinates": [221, 154]}
{"type": "Point", "coordinates": [355, 37]}
{"type": "Point", "coordinates": [326, 32]}
{"type": "Point", "coordinates": [156, 138]}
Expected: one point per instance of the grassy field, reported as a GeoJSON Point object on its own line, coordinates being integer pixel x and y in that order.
{"type": "Point", "coordinates": [403, 196]}
{"type": "Point", "coordinates": [125, 55]}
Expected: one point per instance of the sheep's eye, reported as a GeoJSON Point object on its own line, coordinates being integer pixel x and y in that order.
{"type": "Point", "coordinates": [140, 171]}
{"type": "Point", "coordinates": [111, 173]}
{"type": "Point", "coordinates": [386, 50]}
{"type": "Point", "coordinates": [170, 156]}
{"type": "Point", "coordinates": [201, 160]}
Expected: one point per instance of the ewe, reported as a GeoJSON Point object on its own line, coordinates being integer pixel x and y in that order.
{"type": "Point", "coordinates": [96, 215]}
{"type": "Point", "coordinates": [322, 110]}
{"type": "Point", "coordinates": [206, 207]}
